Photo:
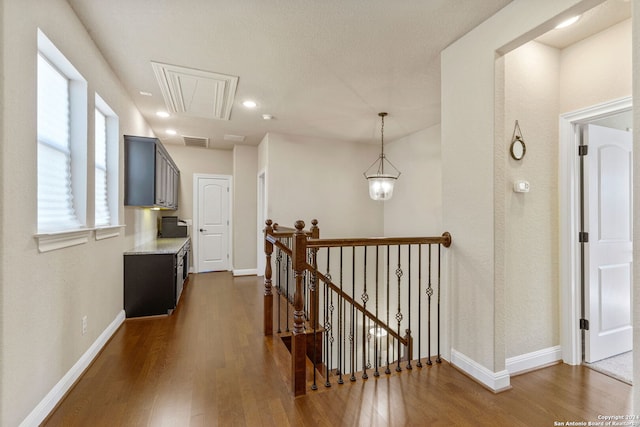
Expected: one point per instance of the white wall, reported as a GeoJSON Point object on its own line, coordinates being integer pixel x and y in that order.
{"type": "Point", "coordinates": [540, 83]}
{"type": "Point", "coordinates": [472, 183]}
{"type": "Point", "coordinates": [596, 69]}
{"type": "Point", "coordinates": [311, 178]}
{"type": "Point", "coordinates": [531, 89]}
{"type": "Point", "coordinates": [194, 160]}
{"type": "Point", "coordinates": [245, 205]}
{"type": "Point", "coordinates": [44, 295]}
{"type": "Point", "coordinates": [416, 206]}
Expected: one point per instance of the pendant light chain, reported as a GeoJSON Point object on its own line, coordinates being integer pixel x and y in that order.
{"type": "Point", "coordinates": [382, 156]}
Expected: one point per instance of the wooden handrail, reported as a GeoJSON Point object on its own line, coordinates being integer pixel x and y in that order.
{"type": "Point", "coordinates": [358, 306]}
{"type": "Point", "coordinates": [444, 240]}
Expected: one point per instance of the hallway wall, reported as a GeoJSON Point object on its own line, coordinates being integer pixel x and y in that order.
{"type": "Point", "coordinates": [473, 184]}
{"type": "Point", "coordinates": [541, 83]}
{"type": "Point", "coordinates": [43, 296]}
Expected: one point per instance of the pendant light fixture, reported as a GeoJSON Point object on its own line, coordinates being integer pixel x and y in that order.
{"type": "Point", "coordinates": [382, 175]}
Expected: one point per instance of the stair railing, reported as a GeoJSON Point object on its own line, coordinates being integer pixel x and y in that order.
{"type": "Point", "coordinates": [364, 311]}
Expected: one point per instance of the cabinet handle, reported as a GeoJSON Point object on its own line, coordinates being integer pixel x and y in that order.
{"type": "Point", "coordinates": [202, 230]}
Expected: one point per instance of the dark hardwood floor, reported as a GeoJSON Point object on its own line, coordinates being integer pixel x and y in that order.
{"type": "Point", "coordinates": [209, 365]}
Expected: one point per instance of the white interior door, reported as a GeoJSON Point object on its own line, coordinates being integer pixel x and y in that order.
{"type": "Point", "coordinates": [213, 224]}
{"type": "Point", "coordinates": [609, 258]}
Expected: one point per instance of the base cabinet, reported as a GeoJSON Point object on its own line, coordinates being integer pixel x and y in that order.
{"type": "Point", "coordinates": [153, 281]}
{"type": "Point", "coordinates": [149, 284]}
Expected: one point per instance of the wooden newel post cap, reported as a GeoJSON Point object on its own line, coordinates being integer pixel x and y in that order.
{"type": "Point", "coordinates": [299, 225]}
{"type": "Point", "coordinates": [447, 237]}
{"type": "Point", "coordinates": [314, 222]}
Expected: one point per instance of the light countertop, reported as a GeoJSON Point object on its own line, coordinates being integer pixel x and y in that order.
{"type": "Point", "coordinates": [165, 245]}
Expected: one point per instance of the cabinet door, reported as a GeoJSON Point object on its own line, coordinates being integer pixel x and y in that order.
{"type": "Point", "coordinates": [176, 185]}
{"type": "Point", "coordinates": [169, 186]}
{"type": "Point", "coordinates": [161, 178]}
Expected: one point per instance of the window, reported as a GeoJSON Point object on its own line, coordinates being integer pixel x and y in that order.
{"type": "Point", "coordinates": [102, 203]}
{"type": "Point", "coordinates": [62, 145]}
{"type": "Point", "coordinates": [106, 165]}
{"type": "Point", "coordinates": [55, 195]}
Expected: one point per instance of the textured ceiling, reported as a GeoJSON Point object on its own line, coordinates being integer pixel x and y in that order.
{"type": "Point", "coordinates": [321, 68]}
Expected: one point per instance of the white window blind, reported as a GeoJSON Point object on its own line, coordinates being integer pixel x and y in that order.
{"type": "Point", "coordinates": [55, 193]}
{"type": "Point", "coordinates": [102, 214]}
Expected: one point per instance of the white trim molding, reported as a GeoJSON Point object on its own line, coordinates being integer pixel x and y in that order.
{"type": "Point", "coordinates": [58, 392]}
{"type": "Point", "coordinates": [494, 381]}
{"type": "Point", "coordinates": [108, 231]}
{"type": "Point", "coordinates": [245, 272]}
{"type": "Point", "coordinates": [569, 202]}
{"type": "Point", "coordinates": [534, 360]}
{"type": "Point", "coordinates": [62, 239]}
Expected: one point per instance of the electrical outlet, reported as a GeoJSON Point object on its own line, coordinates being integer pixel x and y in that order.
{"type": "Point", "coordinates": [84, 325]}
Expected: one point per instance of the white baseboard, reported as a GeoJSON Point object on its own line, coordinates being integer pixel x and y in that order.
{"type": "Point", "coordinates": [534, 360]}
{"type": "Point", "coordinates": [56, 394]}
{"type": "Point", "coordinates": [495, 381]}
{"type": "Point", "coordinates": [246, 272]}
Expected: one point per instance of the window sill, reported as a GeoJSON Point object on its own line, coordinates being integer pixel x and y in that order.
{"type": "Point", "coordinates": [62, 239]}
{"type": "Point", "coordinates": [108, 231]}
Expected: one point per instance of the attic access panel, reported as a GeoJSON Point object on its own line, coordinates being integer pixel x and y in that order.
{"type": "Point", "coordinates": [196, 92]}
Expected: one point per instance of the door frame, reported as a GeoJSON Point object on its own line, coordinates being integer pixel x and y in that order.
{"type": "Point", "coordinates": [195, 236]}
{"type": "Point", "coordinates": [569, 194]}
{"type": "Point", "coordinates": [262, 216]}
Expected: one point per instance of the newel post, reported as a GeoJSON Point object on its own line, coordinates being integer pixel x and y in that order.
{"type": "Point", "coordinates": [268, 295]}
{"type": "Point", "coordinates": [298, 339]}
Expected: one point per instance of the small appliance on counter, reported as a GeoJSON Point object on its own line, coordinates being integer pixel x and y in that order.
{"type": "Point", "coordinates": [170, 226]}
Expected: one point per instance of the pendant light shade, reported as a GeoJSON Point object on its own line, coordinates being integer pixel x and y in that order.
{"type": "Point", "coordinates": [382, 175]}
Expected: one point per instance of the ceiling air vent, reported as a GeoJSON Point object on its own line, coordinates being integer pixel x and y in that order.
{"type": "Point", "coordinates": [195, 141]}
{"type": "Point", "coordinates": [234, 138]}
{"type": "Point", "coordinates": [195, 92]}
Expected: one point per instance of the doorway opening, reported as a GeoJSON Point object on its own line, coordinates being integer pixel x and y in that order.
{"type": "Point", "coordinates": [596, 258]}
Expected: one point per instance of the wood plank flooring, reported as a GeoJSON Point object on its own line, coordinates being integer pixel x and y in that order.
{"type": "Point", "coordinates": [209, 365]}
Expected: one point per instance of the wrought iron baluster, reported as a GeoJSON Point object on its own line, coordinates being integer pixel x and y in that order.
{"type": "Point", "coordinates": [399, 312]}
{"type": "Point", "coordinates": [429, 295]}
{"type": "Point", "coordinates": [313, 281]}
{"type": "Point", "coordinates": [279, 285]}
{"type": "Point", "coordinates": [419, 363]}
{"type": "Point", "coordinates": [328, 324]}
{"type": "Point", "coordinates": [365, 298]}
{"type": "Point", "coordinates": [388, 370]}
{"type": "Point", "coordinates": [353, 315]}
{"type": "Point", "coordinates": [288, 274]}
{"type": "Point", "coordinates": [341, 331]}
{"type": "Point", "coordinates": [439, 360]}
{"type": "Point", "coordinates": [377, 337]}
{"type": "Point", "coordinates": [408, 330]}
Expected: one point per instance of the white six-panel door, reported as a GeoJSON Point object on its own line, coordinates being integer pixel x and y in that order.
{"type": "Point", "coordinates": [609, 258]}
{"type": "Point", "coordinates": [213, 224]}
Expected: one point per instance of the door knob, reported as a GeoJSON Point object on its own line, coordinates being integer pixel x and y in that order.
{"type": "Point", "coordinates": [202, 230]}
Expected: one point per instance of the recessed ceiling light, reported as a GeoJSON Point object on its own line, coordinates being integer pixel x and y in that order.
{"type": "Point", "coordinates": [250, 104]}
{"type": "Point", "coordinates": [143, 93]}
{"type": "Point", "coordinates": [171, 132]}
{"type": "Point", "coordinates": [267, 117]}
{"type": "Point", "coordinates": [568, 22]}
{"type": "Point", "coordinates": [163, 114]}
